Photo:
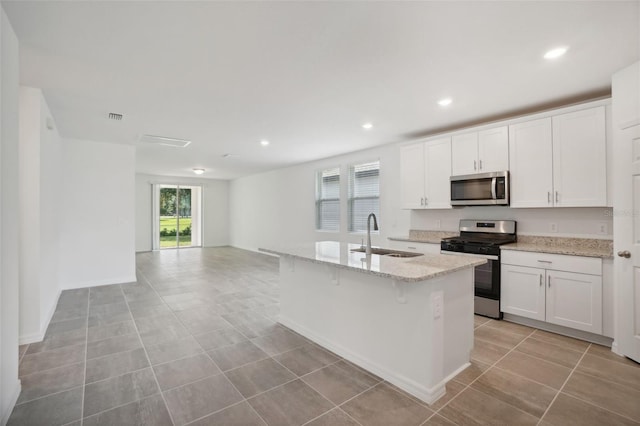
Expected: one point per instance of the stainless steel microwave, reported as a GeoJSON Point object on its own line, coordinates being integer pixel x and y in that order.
{"type": "Point", "coordinates": [482, 189]}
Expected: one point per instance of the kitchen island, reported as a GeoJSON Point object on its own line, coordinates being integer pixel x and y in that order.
{"type": "Point", "coordinates": [407, 320]}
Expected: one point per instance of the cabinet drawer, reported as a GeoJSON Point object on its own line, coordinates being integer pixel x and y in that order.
{"type": "Point", "coordinates": [556, 262]}
{"type": "Point", "coordinates": [426, 248]}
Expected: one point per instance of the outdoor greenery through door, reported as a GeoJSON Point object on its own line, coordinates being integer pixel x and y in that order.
{"type": "Point", "coordinates": [177, 213]}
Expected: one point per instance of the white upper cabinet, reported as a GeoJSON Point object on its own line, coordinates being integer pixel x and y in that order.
{"type": "Point", "coordinates": [437, 160]}
{"type": "Point", "coordinates": [412, 176]}
{"type": "Point", "coordinates": [425, 172]}
{"type": "Point", "coordinates": [464, 154]}
{"type": "Point", "coordinates": [559, 161]}
{"type": "Point", "coordinates": [531, 166]}
{"type": "Point", "coordinates": [480, 152]}
{"type": "Point", "coordinates": [579, 159]}
{"type": "Point", "coordinates": [493, 149]}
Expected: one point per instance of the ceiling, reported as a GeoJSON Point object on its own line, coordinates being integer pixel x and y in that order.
{"type": "Point", "coordinates": [306, 75]}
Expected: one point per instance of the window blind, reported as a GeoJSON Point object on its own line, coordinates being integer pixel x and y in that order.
{"type": "Point", "coordinates": [364, 194]}
{"type": "Point", "coordinates": [328, 199]}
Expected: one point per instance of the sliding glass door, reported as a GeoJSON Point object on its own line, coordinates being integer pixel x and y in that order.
{"type": "Point", "coordinates": [177, 216]}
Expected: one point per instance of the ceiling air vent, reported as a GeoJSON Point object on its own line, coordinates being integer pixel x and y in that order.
{"type": "Point", "coordinates": [114, 116]}
{"type": "Point", "coordinates": [165, 141]}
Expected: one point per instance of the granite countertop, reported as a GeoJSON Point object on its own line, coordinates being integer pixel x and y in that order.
{"type": "Point", "coordinates": [413, 269]}
{"type": "Point", "coordinates": [431, 237]}
{"type": "Point", "coordinates": [557, 245]}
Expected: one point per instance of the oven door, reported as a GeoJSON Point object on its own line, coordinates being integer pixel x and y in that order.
{"type": "Point", "coordinates": [486, 285]}
{"type": "Point", "coordinates": [487, 280]}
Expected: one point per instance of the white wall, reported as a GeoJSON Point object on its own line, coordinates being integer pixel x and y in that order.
{"type": "Point", "coordinates": [571, 222]}
{"type": "Point", "coordinates": [278, 207]}
{"type": "Point", "coordinates": [215, 198]}
{"type": "Point", "coordinates": [9, 270]}
{"type": "Point", "coordinates": [39, 220]}
{"type": "Point", "coordinates": [97, 220]}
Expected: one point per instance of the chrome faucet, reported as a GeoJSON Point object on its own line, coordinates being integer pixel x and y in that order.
{"type": "Point", "coordinates": [375, 228]}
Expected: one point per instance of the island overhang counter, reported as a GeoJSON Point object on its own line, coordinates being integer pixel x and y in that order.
{"type": "Point", "coordinates": [407, 320]}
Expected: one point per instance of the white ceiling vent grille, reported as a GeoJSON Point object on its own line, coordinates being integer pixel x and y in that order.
{"type": "Point", "coordinates": [165, 141]}
{"type": "Point", "coordinates": [115, 116]}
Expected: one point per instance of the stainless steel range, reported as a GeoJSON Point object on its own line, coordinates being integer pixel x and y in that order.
{"type": "Point", "coordinates": [483, 238]}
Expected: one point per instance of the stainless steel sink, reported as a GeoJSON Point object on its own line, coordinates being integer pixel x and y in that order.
{"type": "Point", "coordinates": [387, 252]}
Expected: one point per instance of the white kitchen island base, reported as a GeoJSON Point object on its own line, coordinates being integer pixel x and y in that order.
{"type": "Point", "coordinates": [415, 335]}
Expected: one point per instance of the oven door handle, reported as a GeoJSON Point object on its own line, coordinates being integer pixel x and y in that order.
{"type": "Point", "coordinates": [483, 256]}
{"type": "Point", "coordinates": [494, 188]}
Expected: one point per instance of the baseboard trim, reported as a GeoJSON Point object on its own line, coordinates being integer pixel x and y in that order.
{"type": "Point", "coordinates": [108, 281]}
{"type": "Point", "coordinates": [428, 395]}
{"type": "Point", "coordinates": [12, 403]}
{"type": "Point", "coordinates": [558, 329]}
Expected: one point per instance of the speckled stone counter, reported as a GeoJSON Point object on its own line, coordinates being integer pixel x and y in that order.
{"type": "Point", "coordinates": [431, 237]}
{"type": "Point", "coordinates": [557, 245]}
{"type": "Point", "coordinates": [414, 269]}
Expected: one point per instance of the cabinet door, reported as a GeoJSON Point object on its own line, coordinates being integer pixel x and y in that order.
{"type": "Point", "coordinates": [530, 164]}
{"type": "Point", "coordinates": [464, 154]}
{"type": "Point", "coordinates": [437, 173]}
{"type": "Point", "coordinates": [580, 159]}
{"type": "Point", "coordinates": [493, 150]}
{"type": "Point", "coordinates": [412, 176]}
{"type": "Point", "coordinates": [575, 300]}
{"type": "Point", "coordinates": [522, 291]}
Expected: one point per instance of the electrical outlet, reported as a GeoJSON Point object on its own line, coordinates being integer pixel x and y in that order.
{"type": "Point", "coordinates": [603, 228]}
{"type": "Point", "coordinates": [437, 304]}
{"type": "Point", "coordinates": [553, 227]}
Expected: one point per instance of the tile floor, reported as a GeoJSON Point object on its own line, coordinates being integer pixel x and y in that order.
{"type": "Point", "coordinates": [195, 342]}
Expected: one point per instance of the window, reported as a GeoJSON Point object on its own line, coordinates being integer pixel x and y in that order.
{"type": "Point", "coordinates": [364, 194]}
{"type": "Point", "coordinates": [328, 200]}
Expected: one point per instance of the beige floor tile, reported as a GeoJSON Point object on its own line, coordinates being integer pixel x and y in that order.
{"type": "Point", "coordinates": [611, 396]}
{"type": "Point", "coordinates": [260, 376]}
{"type": "Point", "coordinates": [478, 320]}
{"type": "Point", "coordinates": [510, 327]}
{"type": "Point", "coordinates": [340, 381]}
{"type": "Point", "coordinates": [486, 352]}
{"type": "Point", "coordinates": [292, 404]}
{"type": "Point", "coordinates": [199, 399]}
{"type": "Point", "coordinates": [453, 389]}
{"type": "Point", "coordinates": [569, 411]}
{"type": "Point", "coordinates": [564, 341]}
{"type": "Point", "coordinates": [610, 370]}
{"type": "Point", "coordinates": [522, 393]}
{"type": "Point", "coordinates": [550, 352]}
{"type": "Point", "coordinates": [305, 359]}
{"type": "Point", "coordinates": [383, 406]}
{"type": "Point", "coordinates": [438, 420]}
{"type": "Point", "coordinates": [335, 417]}
{"type": "Point", "coordinates": [237, 415]}
{"type": "Point", "coordinates": [605, 352]}
{"type": "Point", "coordinates": [472, 407]}
{"type": "Point", "coordinates": [498, 337]}
{"type": "Point", "coordinates": [472, 372]}
{"type": "Point", "coordinates": [536, 369]}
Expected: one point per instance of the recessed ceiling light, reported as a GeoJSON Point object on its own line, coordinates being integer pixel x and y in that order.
{"type": "Point", "coordinates": [555, 53]}
{"type": "Point", "coordinates": [445, 102]}
{"type": "Point", "coordinates": [367, 126]}
{"type": "Point", "coordinates": [264, 142]}
{"type": "Point", "coordinates": [198, 171]}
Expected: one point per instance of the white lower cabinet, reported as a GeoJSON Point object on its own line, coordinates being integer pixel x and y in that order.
{"type": "Point", "coordinates": [553, 288]}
